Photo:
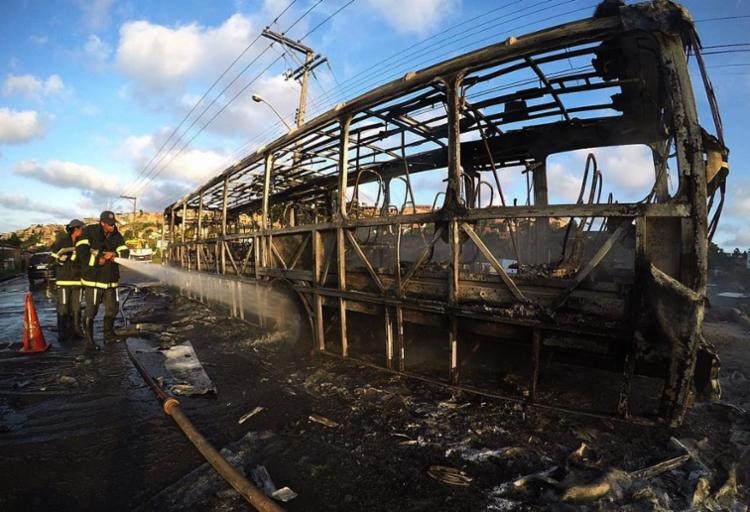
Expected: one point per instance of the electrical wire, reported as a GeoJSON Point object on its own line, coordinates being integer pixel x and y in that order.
{"type": "Point", "coordinates": [210, 120]}
{"type": "Point", "coordinates": [319, 105]}
{"type": "Point", "coordinates": [211, 87]}
{"type": "Point", "coordinates": [159, 167]}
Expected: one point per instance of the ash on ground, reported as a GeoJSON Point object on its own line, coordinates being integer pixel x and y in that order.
{"type": "Point", "coordinates": [87, 434]}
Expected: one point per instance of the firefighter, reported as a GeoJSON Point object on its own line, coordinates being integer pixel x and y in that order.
{"type": "Point", "coordinates": [97, 249]}
{"type": "Point", "coordinates": [68, 282]}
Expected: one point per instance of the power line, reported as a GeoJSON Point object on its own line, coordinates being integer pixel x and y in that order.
{"type": "Point", "coordinates": [252, 81]}
{"type": "Point", "coordinates": [442, 44]}
{"type": "Point", "coordinates": [365, 81]}
{"type": "Point", "coordinates": [157, 169]}
{"type": "Point", "coordinates": [725, 52]}
{"type": "Point", "coordinates": [394, 72]}
{"type": "Point", "coordinates": [723, 18]}
{"type": "Point", "coordinates": [724, 46]}
{"type": "Point", "coordinates": [367, 77]}
{"type": "Point", "coordinates": [350, 2]}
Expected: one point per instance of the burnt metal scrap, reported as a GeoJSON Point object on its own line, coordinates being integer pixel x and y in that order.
{"type": "Point", "coordinates": [329, 212]}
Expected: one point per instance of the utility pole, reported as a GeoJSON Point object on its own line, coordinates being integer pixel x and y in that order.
{"type": "Point", "coordinates": [132, 228]}
{"type": "Point", "coordinates": [312, 61]}
{"type": "Point", "coordinates": [301, 74]}
{"type": "Point", "coordinates": [134, 199]}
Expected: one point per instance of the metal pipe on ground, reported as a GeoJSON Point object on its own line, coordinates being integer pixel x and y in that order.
{"type": "Point", "coordinates": [171, 406]}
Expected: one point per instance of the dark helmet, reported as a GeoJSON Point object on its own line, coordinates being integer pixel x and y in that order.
{"type": "Point", "coordinates": [107, 217]}
{"type": "Point", "coordinates": [75, 223]}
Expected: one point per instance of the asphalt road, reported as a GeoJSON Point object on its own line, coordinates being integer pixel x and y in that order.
{"type": "Point", "coordinates": [80, 433]}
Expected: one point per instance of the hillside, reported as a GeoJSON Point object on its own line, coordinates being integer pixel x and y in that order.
{"type": "Point", "coordinates": [143, 226]}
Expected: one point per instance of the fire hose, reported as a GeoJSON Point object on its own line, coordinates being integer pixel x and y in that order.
{"type": "Point", "coordinates": [171, 407]}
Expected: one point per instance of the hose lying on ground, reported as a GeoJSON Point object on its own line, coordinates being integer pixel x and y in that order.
{"type": "Point", "coordinates": [171, 407]}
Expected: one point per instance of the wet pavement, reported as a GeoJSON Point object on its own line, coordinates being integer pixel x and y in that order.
{"type": "Point", "coordinates": [78, 433]}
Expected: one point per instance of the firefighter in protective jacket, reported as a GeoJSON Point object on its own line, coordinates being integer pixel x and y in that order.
{"type": "Point", "coordinates": [68, 282]}
{"type": "Point", "coordinates": [96, 250]}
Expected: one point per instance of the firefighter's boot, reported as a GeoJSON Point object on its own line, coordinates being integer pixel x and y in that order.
{"type": "Point", "coordinates": [109, 330]}
{"type": "Point", "coordinates": [88, 332]}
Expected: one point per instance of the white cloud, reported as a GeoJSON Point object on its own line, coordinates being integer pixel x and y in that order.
{"type": "Point", "coordinates": [97, 50]}
{"type": "Point", "coordinates": [54, 85]}
{"type": "Point", "coordinates": [738, 198]}
{"type": "Point", "coordinates": [20, 127]}
{"type": "Point", "coordinates": [85, 178]}
{"type": "Point", "coordinates": [40, 40]}
{"type": "Point", "coordinates": [96, 13]}
{"type": "Point", "coordinates": [627, 172]}
{"type": "Point", "coordinates": [159, 58]}
{"type": "Point", "coordinates": [415, 16]}
{"type": "Point", "coordinates": [191, 165]}
{"type": "Point", "coordinates": [159, 194]}
{"type": "Point", "coordinates": [25, 85]}
{"type": "Point", "coordinates": [628, 168]}
{"type": "Point", "coordinates": [23, 203]}
{"type": "Point", "coordinates": [562, 185]}
{"type": "Point", "coordinates": [32, 87]}
{"type": "Point", "coordinates": [246, 118]}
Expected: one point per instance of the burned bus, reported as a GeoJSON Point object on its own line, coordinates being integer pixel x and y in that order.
{"type": "Point", "coordinates": [522, 220]}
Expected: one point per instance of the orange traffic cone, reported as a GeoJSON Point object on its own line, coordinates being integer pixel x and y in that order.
{"type": "Point", "coordinates": [33, 338]}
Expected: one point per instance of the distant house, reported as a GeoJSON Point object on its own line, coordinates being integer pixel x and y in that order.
{"type": "Point", "coordinates": [10, 257]}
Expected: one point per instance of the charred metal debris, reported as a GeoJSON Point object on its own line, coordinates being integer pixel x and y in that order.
{"type": "Point", "coordinates": [329, 213]}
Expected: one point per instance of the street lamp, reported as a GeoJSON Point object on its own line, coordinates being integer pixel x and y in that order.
{"type": "Point", "coordinates": [258, 99]}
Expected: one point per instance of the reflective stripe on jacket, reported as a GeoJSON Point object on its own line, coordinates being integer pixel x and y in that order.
{"type": "Point", "coordinates": [94, 242]}
{"type": "Point", "coordinates": [66, 261]}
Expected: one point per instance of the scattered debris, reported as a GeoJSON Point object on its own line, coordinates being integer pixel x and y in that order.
{"type": "Point", "coordinates": [250, 414]}
{"type": "Point", "coordinates": [284, 494]}
{"type": "Point", "coordinates": [594, 490]}
{"type": "Point", "coordinates": [658, 469]}
{"type": "Point", "coordinates": [67, 380]}
{"type": "Point", "coordinates": [542, 477]}
{"type": "Point", "coordinates": [259, 475]}
{"type": "Point", "coordinates": [323, 420]}
{"type": "Point", "coordinates": [227, 493]}
{"type": "Point", "coordinates": [450, 476]}
{"type": "Point", "coordinates": [21, 384]}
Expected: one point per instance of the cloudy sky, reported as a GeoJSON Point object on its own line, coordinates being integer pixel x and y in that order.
{"type": "Point", "coordinates": [90, 90]}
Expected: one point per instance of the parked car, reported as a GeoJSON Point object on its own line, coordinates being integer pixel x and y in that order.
{"type": "Point", "coordinates": [41, 267]}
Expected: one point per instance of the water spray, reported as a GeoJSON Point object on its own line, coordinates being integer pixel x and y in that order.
{"type": "Point", "coordinates": [240, 297]}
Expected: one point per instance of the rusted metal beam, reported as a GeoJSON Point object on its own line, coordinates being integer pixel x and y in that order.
{"type": "Point", "coordinates": [495, 264]}
{"type": "Point", "coordinates": [421, 259]}
{"type": "Point", "coordinates": [275, 252]}
{"type": "Point", "coordinates": [357, 249]}
{"type": "Point", "coordinates": [593, 263]}
{"type": "Point", "coordinates": [300, 251]}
